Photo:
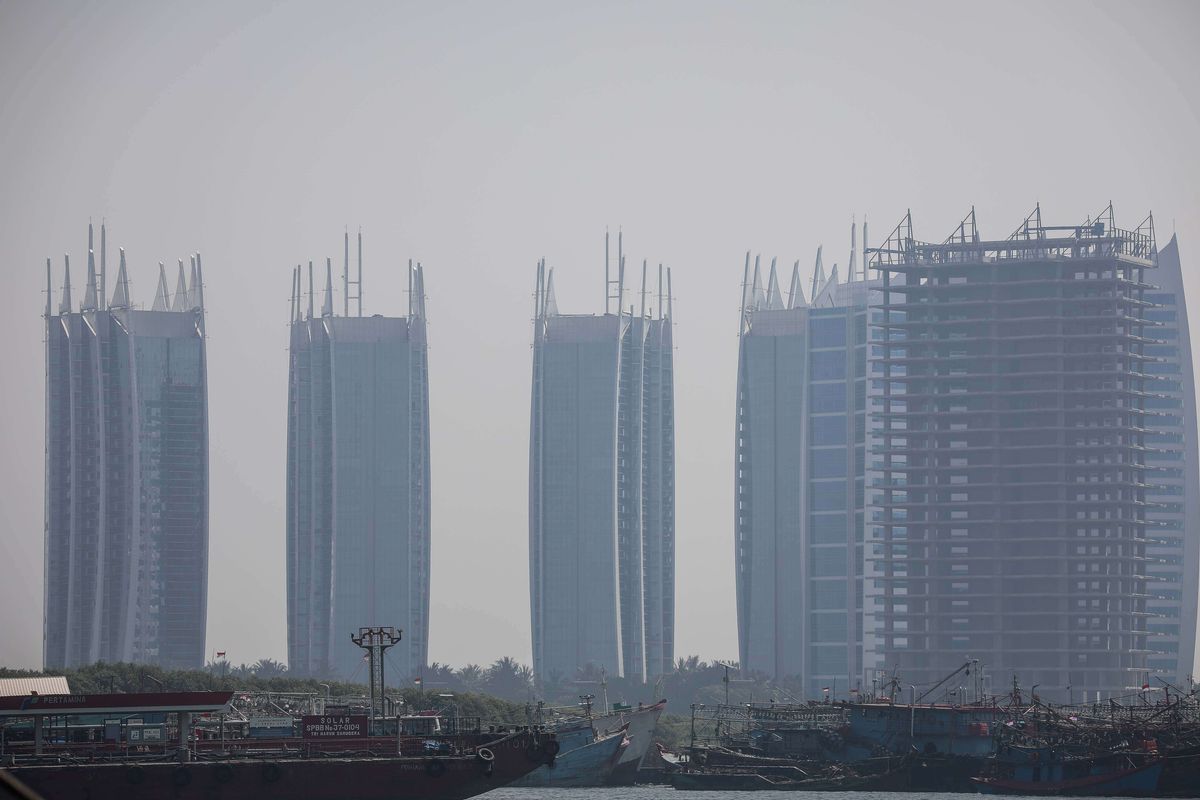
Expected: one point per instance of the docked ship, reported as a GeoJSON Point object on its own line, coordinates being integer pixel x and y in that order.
{"type": "Point", "coordinates": [1034, 771]}
{"type": "Point", "coordinates": [589, 764]}
{"type": "Point", "coordinates": [640, 723]}
{"type": "Point", "coordinates": [162, 745]}
{"type": "Point", "coordinates": [601, 750]}
{"type": "Point", "coordinates": [871, 745]}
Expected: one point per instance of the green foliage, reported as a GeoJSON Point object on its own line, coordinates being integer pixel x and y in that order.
{"type": "Point", "coordinates": [674, 731]}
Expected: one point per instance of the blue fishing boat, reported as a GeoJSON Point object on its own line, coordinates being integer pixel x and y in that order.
{"type": "Point", "coordinates": [1055, 771]}
{"type": "Point", "coordinates": [587, 765]}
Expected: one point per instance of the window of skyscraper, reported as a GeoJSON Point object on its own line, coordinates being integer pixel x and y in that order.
{"type": "Point", "coordinates": [828, 463]}
{"type": "Point", "coordinates": [828, 562]}
{"type": "Point", "coordinates": [828, 495]}
{"type": "Point", "coordinates": [827, 331]}
{"type": "Point", "coordinates": [827, 529]}
{"type": "Point", "coordinates": [827, 397]}
{"type": "Point", "coordinates": [827, 366]}
{"type": "Point", "coordinates": [828, 596]}
{"type": "Point", "coordinates": [828, 430]}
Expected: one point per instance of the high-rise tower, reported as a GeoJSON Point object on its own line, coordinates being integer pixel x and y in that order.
{"type": "Point", "coordinates": [1009, 514]}
{"type": "Point", "coordinates": [357, 477]}
{"type": "Point", "coordinates": [799, 476]}
{"type": "Point", "coordinates": [126, 472]}
{"type": "Point", "coordinates": [602, 483]}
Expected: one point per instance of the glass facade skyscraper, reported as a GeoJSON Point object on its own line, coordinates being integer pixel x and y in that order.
{"type": "Point", "coordinates": [1173, 518]}
{"type": "Point", "coordinates": [1008, 521]}
{"type": "Point", "coordinates": [799, 480]}
{"type": "Point", "coordinates": [358, 533]}
{"type": "Point", "coordinates": [126, 569]}
{"type": "Point", "coordinates": [602, 489]}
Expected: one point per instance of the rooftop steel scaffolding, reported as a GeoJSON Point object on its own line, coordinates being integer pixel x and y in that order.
{"type": "Point", "coordinates": [1008, 510]}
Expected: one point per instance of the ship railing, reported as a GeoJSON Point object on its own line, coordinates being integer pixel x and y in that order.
{"type": "Point", "coordinates": [463, 735]}
{"type": "Point", "coordinates": [457, 726]}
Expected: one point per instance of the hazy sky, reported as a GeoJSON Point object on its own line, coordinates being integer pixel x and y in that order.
{"type": "Point", "coordinates": [479, 137]}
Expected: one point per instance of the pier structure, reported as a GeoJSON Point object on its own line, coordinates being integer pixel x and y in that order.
{"type": "Point", "coordinates": [126, 525]}
{"type": "Point", "coordinates": [799, 479]}
{"type": "Point", "coordinates": [602, 481]}
{"type": "Point", "coordinates": [358, 490]}
{"type": "Point", "coordinates": [1010, 487]}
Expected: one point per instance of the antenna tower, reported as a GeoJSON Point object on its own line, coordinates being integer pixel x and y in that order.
{"type": "Point", "coordinates": [347, 282]}
{"type": "Point", "coordinates": [375, 641]}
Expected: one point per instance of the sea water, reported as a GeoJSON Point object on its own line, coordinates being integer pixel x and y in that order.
{"type": "Point", "coordinates": [667, 793]}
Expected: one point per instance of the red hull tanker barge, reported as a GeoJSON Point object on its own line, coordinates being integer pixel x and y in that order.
{"type": "Point", "coordinates": [174, 745]}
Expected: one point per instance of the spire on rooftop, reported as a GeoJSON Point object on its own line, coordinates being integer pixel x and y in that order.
{"type": "Point", "coordinates": [200, 287]}
{"type": "Point", "coordinates": [774, 296]}
{"type": "Point", "coordinates": [193, 286]}
{"type": "Point", "coordinates": [199, 282]}
{"type": "Point", "coordinates": [818, 277]}
{"type": "Point", "coordinates": [295, 300]}
{"type": "Point", "coordinates": [620, 274]}
{"type": "Point", "coordinates": [670, 304]}
{"type": "Point", "coordinates": [103, 263]}
{"type": "Point", "coordinates": [418, 298]}
{"type": "Point", "coordinates": [64, 307]}
{"type": "Point", "coordinates": [865, 276]}
{"type": "Point", "coordinates": [180, 302]}
{"type": "Point", "coordinates": [327, 306]}
{"type": "Point", "coordinates": [795, 291]}
{"type": "Point", "coordinates": [825, 297]}
{"type": "Point", "coordinates": [659, 304]}
{"type": "Point", "coordinates": [162, 297]}
{"type": "Point", "coordinates": [311, 292]}
{"type": "Point", "coordinates": [758, 295]}
{"type": "Point", "coordinates": [853, 249]}
{"type": "Point", "coordinates": [551, 300]}
{"type": "Point", "coordinates": [91, 281]}
{"type": "Point", "coordinates": [120, 298]}
{"type": "Point", "coordinates": [89, 294]}
{"type": "Point", "coordinates": [642, 309]}
{"type": "Point", "coordinates": [745, 285]}
{"type": "Point", "coordinates": [412, 284]}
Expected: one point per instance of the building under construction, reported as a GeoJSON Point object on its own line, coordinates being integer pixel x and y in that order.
{"type": "Point", "coordinates": [602, 482]}
{"type": "Point", "coordinates": [1009, 513]}
{"type": "Point", "coordinates": [357, 475]}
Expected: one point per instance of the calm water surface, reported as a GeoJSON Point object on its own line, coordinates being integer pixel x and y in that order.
{"type": "Point", "coordinates": [667, 793]}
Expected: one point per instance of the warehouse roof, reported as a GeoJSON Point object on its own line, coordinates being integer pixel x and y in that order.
{"type": "Point", "coordinates": [17, 687]}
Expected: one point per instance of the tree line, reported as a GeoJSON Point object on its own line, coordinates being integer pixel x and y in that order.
{"type": "Point", "coordinates": [505, 691]}
{"type": "Point", "coordinates": [692, 680]}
